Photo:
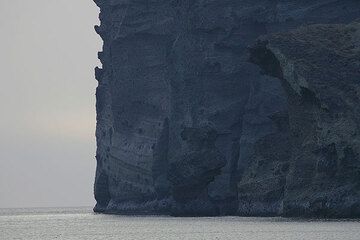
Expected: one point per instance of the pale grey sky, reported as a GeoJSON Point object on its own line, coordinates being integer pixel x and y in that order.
{"type": "Point", "coordinates": [47, 102]}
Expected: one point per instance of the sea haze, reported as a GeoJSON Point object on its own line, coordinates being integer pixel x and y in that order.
{"type": "Point", "coordinates": [81, 223]}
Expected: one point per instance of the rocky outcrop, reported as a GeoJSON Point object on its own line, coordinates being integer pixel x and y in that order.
{"type": "Point", "coordinates": [182, 114]}
{"type": "Point", "coordinates": [319, 69]}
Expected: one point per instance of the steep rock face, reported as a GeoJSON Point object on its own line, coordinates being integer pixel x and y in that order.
{"type": "Point", "coordinates": [319, 68]}
{"type": "Point", "coordinates": [133, 100]}
{"type": "Point", "coordinates": [262, 186]}
{"type": "Point", "coordinates": [191, 172]}
{"type": "Point", "coordinates": [171, 66]}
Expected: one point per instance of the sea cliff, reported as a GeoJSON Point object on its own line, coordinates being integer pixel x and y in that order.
{"type": "Point", "coordinates": [237, 107]}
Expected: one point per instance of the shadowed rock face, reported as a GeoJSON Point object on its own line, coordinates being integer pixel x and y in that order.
{"type": "Point", "coordinates": [191, 172]}
{"type": "Point", "coordinates": [261, 188]}
{"type": "Point", "coordinates": [319, 69]}
{"type": "Point", "coordinates": [174, 73]}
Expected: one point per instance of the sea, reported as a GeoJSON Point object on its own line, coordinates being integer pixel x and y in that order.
{"type": "Point", "coordinates": [83, 224]}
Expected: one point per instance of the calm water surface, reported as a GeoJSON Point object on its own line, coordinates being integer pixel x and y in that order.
{"type": "Point", "coordinates": [81, 223]}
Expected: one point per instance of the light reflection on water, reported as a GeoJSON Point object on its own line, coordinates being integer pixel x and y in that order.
{"type": "Point", "coordinates": [82, 224]}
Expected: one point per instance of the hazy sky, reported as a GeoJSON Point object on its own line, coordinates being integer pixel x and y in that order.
{"type": "Point", "coordinates": [47, 102]}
